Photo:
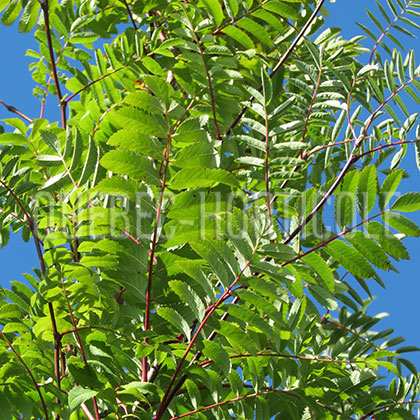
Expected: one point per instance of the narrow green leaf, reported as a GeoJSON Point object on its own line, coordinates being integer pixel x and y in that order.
{"type": "Point", "coordinates": [407, 202]}
{"type": "Point", "coordinates": [322, 269]}
{"type": "Point", "coordinates": [392, 245]}
{"type": "Point", "coordinates": [350, 259]}
{"type": "Point", "coordinates": [239, 36]}
{"type": "Point", "coordinates": [78, 395]}
{"type": "Point", "coordinates": [280, 252]}
{"type": "Point", "coordinates": [215, 10]}
{"type": "Point", "coordinates": [389, 186]}
{"type": "Point", "coordinates": [345, 200]}
{"type": "Point", "coordinates": [401, 224]}
{"type": "Point", "coordinates": [220, 258]}
{"type": "Point", "coordinates": [201, 178]}
{"type": "Point", "coordinates": [255, 29]}
{"type": "Point", "coordinates": [189, 297]}
{"type": "Point", "coordinates": [369, 249]}
{"type": "Point", "coordinates": [138, 120]}
{"type": "Point", "coordinates": [52, 140]}
{"type": "Point", "coordinates": [90, 162]}
{"type": "Point", "coordinates": [173, 317]}
{"type": "Point", "coordinates": [29, 16]}
{"type": "Point", "coordinates": [123, 162]}
{"type": "Point", "coordinates": [367, 190]}
{"type": "Point", "coordinates": [220, 357]}
{"type": "Point", "coordinates": [281, 9]}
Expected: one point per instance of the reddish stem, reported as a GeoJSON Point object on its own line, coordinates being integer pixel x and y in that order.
{"type": "Point", "coordinates": [165, 401]}
{"type": "Point", "coordinates": [62, 104]}
{"type": "Point", "coordinates": [153, 246]}
{"type": "Point", "coordinates": [267, 152]}
{"type": "Point", "coordinates": [384, 407]}
{"type": "Point", "coordinates": [130, 14]}
{"type": "Point", "coordinates": [29, 371]}
{"type": "Point", "coordinates": [279, 64]}
{"type": "Point", "coordinates": [206, 69]}
{"type": "Point", "coordinates": [67, 100]}
{"type": "Point", "coordinates": [344, 232]}
{"type": "Point", "coordinates": [385, 32]}
{"type": "Point", "coordinates": [15, 111]}
{"type": "Point", "coordinates": [286, 356]}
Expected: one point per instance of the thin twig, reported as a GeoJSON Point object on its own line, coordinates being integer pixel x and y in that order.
{"type": "Point", "coordinates": [165, 401]}
{"type": "Point", "coordinates": [206, 69]}
{"type": "Point", "coordinates": [384, 407]}
{"type": "Point", "coordinates": [279, 64]}
{"type": "Point", "coordinates": [267, 152]}
{"type": "Point", "coordinates": [62, 104]}
{"type": "Point", "coordinates": [154, 243]}
{"type": "Point", "coordinates": [288, 356]}
{"type": "Point", "coordinates": [386, 31]}
{"type": "Point", "coordinates": [256, 394]}
{"type": "Point", "coordinates": [130, 14]}
{"type": "Point", "coordinates": [17, 112]}
{"type": "Point", "coordinates": [29, 371]}
{"type": "Point", "coordinates": [104, 76]}
{"type": "Point", "coordinates": [344, 232]}
{"type": "Point", "coordinates": [44, 96]}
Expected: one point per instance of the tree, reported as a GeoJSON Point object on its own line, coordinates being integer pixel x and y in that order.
{"type": "Point", "coordinates": [186, 266]}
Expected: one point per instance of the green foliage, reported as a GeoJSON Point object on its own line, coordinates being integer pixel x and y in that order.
{"type": "Point", "coordinates": [188, 266]}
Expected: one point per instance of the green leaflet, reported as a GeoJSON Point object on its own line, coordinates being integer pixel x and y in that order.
{"type": "Point", "coordinates": [350, 259]}
{"type": "Point", "coordinates": [79, 395]}
{"type": "Point", "coordinates": [256, 30]}
{"type": "Point", "coordinates": [11, 13]}
{"type": "Point", "coordinates": [198, 205]}
{"type": "Point", "coordinates": [201, 178]}
{"type": "Point", "coordinates": [345, 200]}
{"type": "Point", "coordinates": [324, 297]}
{"type": "Point", "coordinates": [119, 187]}
{"type": "Point", "coordinates": [196, 155]}
{"type": "Point", "coordinates": [239, 36]}
{"type": "Point", "coordinates": [193, 270]}
{"type": "Point", "coordinates": [29, 16]}
{"type": "Point", "coordinates": [137, 120]}
{"type": "Point", "coordinates": [10, 311]}
{"type": "Point", "coordinates": [367, 190]}
{"type": "Point", "coordinates": [215, 10]}
{"type": "Point", "coordinates": [407, 202]}
{"type": "Point", "coordinates": [220, 357]}
{"type": "Point", "coordinates": [128, 163]}
{"type": "Point", "coordinates": [322, 269]}
{"type": "Point", "coordinates": [189, 297]}
{"type": "Point", "coordinates": [392, 245]}
{"type": "Point", "coordinates": [389, 187]}
{"type": "Point", "coordinates": [236, 337]}
{"type": "Point", "coordinates": [220, 258]}
{"type": "Point", "coordinates": [401, 224]}
{"type": "Point", "coordinates": [278, 251]}
{"type": "Point", "coordinates": [251, 318]}
{"type": "Point", "coordinates": [135, 141]}
{"type": "Point", "coordinates": [173, 317]}
{"type": "Point", "coordinates": [281, 9]}
{"type": "Point", "coordinates": [369, 249]}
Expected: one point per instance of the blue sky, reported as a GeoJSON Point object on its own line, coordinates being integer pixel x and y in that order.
{"type": "Point", "coordinates": [400, 299]}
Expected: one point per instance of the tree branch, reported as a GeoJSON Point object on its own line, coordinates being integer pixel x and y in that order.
{"type": "Point", "coordinates": [17, 112]}
{"type": "Point", "coordinates": [206, 69]}
{"type": "Point", "coordinates": [62, 104]}
{"type": "Point", "coordinates": [154, 243]}
{"type": "Point", "coordinates": [29, 371]}
{"type": "Point", "coordinates": [282, 60]}
{"type": "Point", "coordinates": [165, 401]}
